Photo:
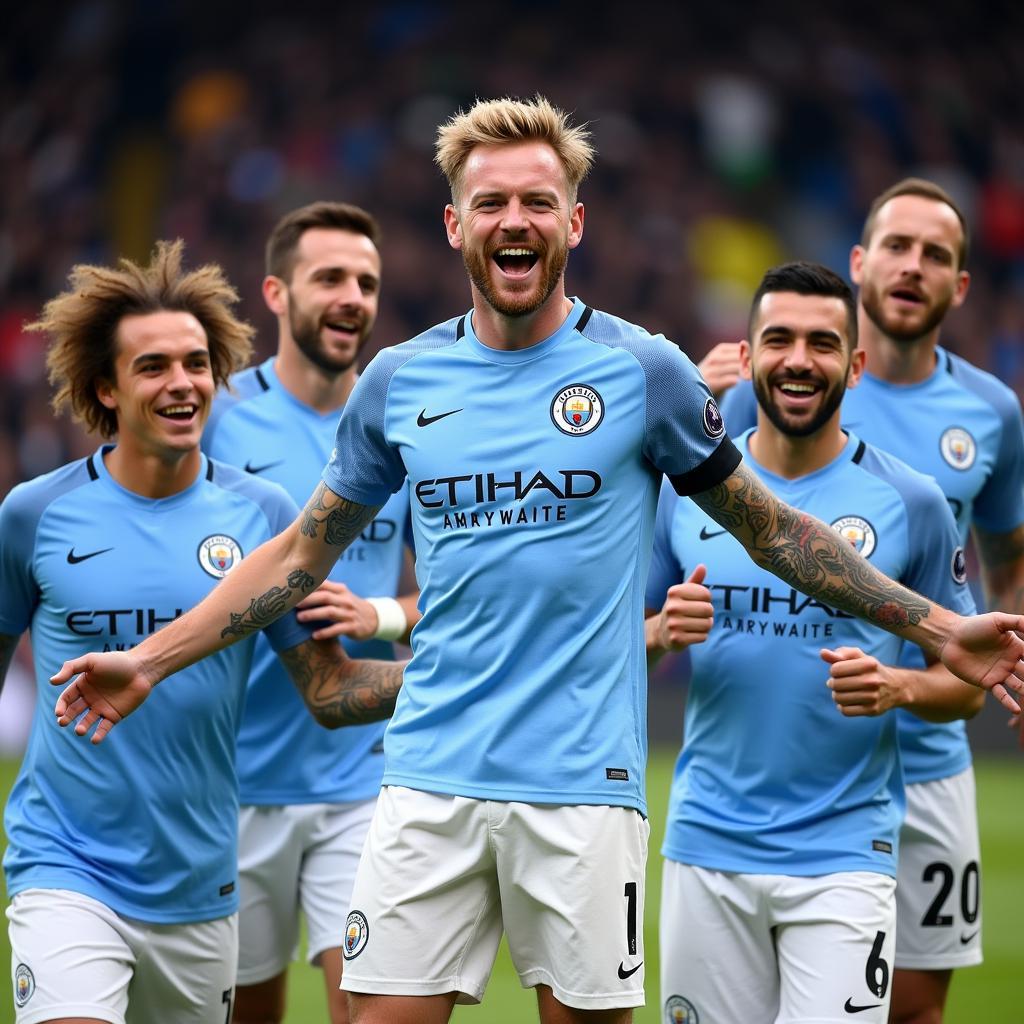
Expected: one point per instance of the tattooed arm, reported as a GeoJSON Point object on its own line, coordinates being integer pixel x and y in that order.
{"type": "Point", "coordinates": [8, 645]}
{"type": "Point", "coordinates": [339, 691]}
{"type": "Point", "coordinates": [262, 587]}
{"type": "Point", "coordinates": [812, 557]}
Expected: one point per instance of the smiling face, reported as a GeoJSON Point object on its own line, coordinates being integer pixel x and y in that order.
{"type": "Point", "coordinates": [330, 300]}
{"type": "Point", "coordinates": [908, 273]}
{"type": "Point", "coordinates": [163, 384]}
{"type": "Point", "coordinates": [799, 360]}
{"type": "Point", "coordinates": [514, 225]}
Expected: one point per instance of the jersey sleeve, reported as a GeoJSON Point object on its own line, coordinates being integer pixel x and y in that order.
{"type": "Point", "coordinates": [363, 466]}
{"type": "Point", "coordinates": [999, 507]}
{"type": "Point", "coordinates": [684, 434]}
{"type": "Point", "coordinates": [739, 408]}
{"type": "Point", "coordinates": [19, 592]}
{"type": "Point", "coordinates": [665, 569]}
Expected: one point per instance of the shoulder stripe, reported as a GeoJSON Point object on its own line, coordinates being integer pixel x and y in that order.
{"type": "Point", "coordinates": [584, 319]}
{"type": "Point", "coordinates": [209, 468]}
{"type": "Point", "coordinates": [262, 380]}
{"type": "Point", "coordinates": [859, 453]}
{"type": "Point", "coordinates": [460, 331]}
{"type": "Point", "coordinates": [949, 362]}
{"type": "Point", "coordinates": [90, 466]}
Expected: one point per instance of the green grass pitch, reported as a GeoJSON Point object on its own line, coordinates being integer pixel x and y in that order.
{"type": "Point", "coordinates": [989, 994]}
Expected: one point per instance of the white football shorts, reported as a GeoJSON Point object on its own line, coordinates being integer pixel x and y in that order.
{"type": "Point", "coordinates": [938, 892]}
{"type": "Point", "coordinates": [72, 956]}
{"type": "Point", "coordinates": [442, 876]}
{"type": "Point", "coordinates": [775, 949]}
{"type": "Point", "coordinates": [302, 856]}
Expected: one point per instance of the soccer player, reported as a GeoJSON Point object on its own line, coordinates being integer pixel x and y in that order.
{"type": "Point", "coordinates": [962, 426]}
{"type": "Point", "coordinates": [303, 820]}
{"type": "Point", "coordinates": [533, 432]}
{"type": "Point", "coordinates": [781, 842]}
{"type": "Point", "coordinates": [121, 866]}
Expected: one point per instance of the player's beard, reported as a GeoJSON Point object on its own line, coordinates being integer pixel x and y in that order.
{"type": "Point", "coordinates": [553, 262]}
{"type": "Point", "coordinates": [306, 335]}
{"type": "Point", "coordinates": [873, 303]}
{"type": "Point", "coordinates": [784, 423]}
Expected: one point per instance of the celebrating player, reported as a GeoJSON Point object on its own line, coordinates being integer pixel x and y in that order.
{"type": "Point", "coordinates": [121, 863]}
{"type": "Point", "coordinates": [781, 843]}
{"type": "Point", "coordinates": [303, 819]}
{"type": "Point", "coordinates": [962, 426]}
{"type": "Point", "coordinates": [533, 432]}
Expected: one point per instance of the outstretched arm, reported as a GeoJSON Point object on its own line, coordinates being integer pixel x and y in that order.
{"type": "Point", "coordinates": [982, 650]}
{"type": "Point", "coordinates": [862, 686]}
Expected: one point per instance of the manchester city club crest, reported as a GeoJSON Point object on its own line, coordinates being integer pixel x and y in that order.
{"type": "Point", "coordinates": [24, 984]}
{"type": "Point", "coordinates": [859, 532]}
{"type": "Point", "coordinates": [219, 554]}
{"type": "Point", "coordinates": [679, 1010]}
{"type": "Point", "coordinates": [577, 409]}
{"type": "Point", "coordinates": [958, 448]}
{"type": "Point", "coordinates": [357, 933]}
{"type": "Point", "coordinates": [714, 425]}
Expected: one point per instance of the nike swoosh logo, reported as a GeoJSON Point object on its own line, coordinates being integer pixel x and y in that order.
{"type": "Point", "coordinates": [704, 535]}
{"type": "Point", "coordinates": [624, 974]}
{"type": "Point", "coordinates": [851, 1007]}
{"type": "Point", "coordinates": [964, 939]}
{"type": "Point", "coordinates": [250, 468]}
{"type": "Point", "coordinates": [74, 559]}
{"type": "Point", "coordinates": [423, 420]}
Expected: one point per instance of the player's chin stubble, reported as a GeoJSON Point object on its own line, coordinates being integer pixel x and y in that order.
{"type": "Point", "coordinates": [478, 267]}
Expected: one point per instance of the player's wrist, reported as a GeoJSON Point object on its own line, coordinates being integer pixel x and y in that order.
{"type": "Point", "coordinates": [392, 622]}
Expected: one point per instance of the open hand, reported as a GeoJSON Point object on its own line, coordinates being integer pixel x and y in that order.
{"type": "Point", "coordinates": [986, 651]}
{"type": "Point", "coordinates": [106, 688]}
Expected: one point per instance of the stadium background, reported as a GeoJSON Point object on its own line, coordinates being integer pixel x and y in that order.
{"type": "Point", "coordinates": [730, 137]}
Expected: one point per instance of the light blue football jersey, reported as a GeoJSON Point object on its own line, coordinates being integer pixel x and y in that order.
{"type": "Point", "coordinates": [264, 429]}
{"type": "Point", "coordinates": [147, 821]}
{"type": "Point", "coordinates": [534, 480]}
{"type": "Point", "coordinates": [963, 427]}
{"type": "Point", "coordinates": [771, 778]}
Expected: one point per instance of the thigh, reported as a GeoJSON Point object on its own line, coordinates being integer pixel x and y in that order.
{"type": "Point", "coordinates": [185, 972]}
{"type": "Point", "coordinates": [271, 841]}
{"type": "Point", "coordinates": [938, 895]}
{"type": "Point", "coordinates": [572, 899]}
{"type": "Point", "coordinates": [717, 948]}
{"type": "Point", "coordinates": [835, 937]}
{"type": "Point", "coordinates": [329, 871]}
{"type": "Point", "coordinates": [425, 918]}
{"type": "Point", "coordinates": [70, 957]}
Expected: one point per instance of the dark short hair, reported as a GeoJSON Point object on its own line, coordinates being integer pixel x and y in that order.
{"type": "Point", "coordinates": [284, 239]}
{"type": "Point", "coordinates": [927, 190]}
{"type": "Point", "coordinates": [806, 278]}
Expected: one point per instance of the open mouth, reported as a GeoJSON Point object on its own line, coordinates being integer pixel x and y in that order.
{"type": "Point", "coordinates": [515, 261]}
{"type": "Point", "coordinates": [907, 295]}
{"type": "Point", "coordinates": [179, 413]}
{"type": "Point", "coordinates": [342, 326]}
{"type": "Point", "coordinates": [798, 390]}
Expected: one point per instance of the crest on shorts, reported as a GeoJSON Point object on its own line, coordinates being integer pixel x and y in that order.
{"type": "Point", "coordinates": [219, 554]}
{"type": "Point", "coordinates": [679, 1010]}
{"type": "Point", "coordinates": [577, 409]}
{"type": "Point", "coordinates": [958, 448]}
{"type": "Point", "coordinates": [859, 532]}
{"type": "Point", "coordinates": [24, 984]}
{"type": "Point", "coordinates": [714, 425]}
{"type": "Point", "coordinates": [357, 932]}
{"type": "Point", "coordinates": [958, 566]}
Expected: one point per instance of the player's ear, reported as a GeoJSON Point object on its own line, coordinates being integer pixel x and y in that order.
{"type": "Point", "coordinates": [856, 264]}
{"type": "Point", "coordinates": [745, 360]}
{"type": "Point", "coordinates": [453, 227]}
{"type": "Point", "coordinates": [105, 392]}
{"type": "Point", "coordinates": [575, 226]}
{"type": "Point", "coordinates": [275, 295]}
{"type": "Point", "coordinates": [858, 357]}
{"type": "Point", "coordinates": [963, 282]}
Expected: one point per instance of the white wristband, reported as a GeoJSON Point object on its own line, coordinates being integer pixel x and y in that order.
{"type": "Point", "coordinates": [391, 620]}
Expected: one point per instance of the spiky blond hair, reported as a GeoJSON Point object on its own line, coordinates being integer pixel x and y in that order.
{"type": "Point", "coordinates": [82, 324]}
{"type": "Point", "coordinates": [496, 122]}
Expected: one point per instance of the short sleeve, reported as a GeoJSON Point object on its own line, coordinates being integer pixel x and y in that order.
{"type": "Point", "coordinates": [19, 592]}
{"type": "Point", "coordinates": [665, 569]}
{"type": "Point", "coordinates": [999, 506]}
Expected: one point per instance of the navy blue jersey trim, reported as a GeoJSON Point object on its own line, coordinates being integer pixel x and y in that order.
{"type": "Point", "coordinates": [719, 465]}
{"type": "Point", "coordinates": [460, 331]}
{"type": "Point", "coordinates": [949, 362]}
{"type": "Point", "coordinates": [859, 453]}
{"type": "Point", "coordinates": [262, 380]}
{"type": "Point", "coordinates": [209, 469]}
{"type": "Point", "coordinates": [91, 467]}
{"type": "Point", "coordinates": [584, 319]}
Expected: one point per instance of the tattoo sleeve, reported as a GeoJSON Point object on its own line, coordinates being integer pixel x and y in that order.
{"type": "Point", "coordinates": [8, 645]}
{"type": "Point", "coordinates": [339, 691]}
{"type": "Point", "coordinates": [342, 520]}
{"type": "Point", "coordinates": [270, 605]}
{"type": "Point", "coordinates": [807, 554]}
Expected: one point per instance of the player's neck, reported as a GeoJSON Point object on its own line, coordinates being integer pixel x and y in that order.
{"type": "Point", "coordinates": [896, 362]}
{"type": "Point", "coordinates": [495, 330]}
{"type": "Point", "coordinates": [320, 389]}
{"type": "Point", "coordinates": [793, 457]}
{"type": "Point", "coordinates": [151, 474]}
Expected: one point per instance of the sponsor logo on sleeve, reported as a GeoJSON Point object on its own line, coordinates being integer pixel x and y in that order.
{"type": "Point", "coordinates": [958, 566]}
{"type": "Point", "coordinates": [577, 409]}
{"type": "Point", "coordinates": [714, 425]}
